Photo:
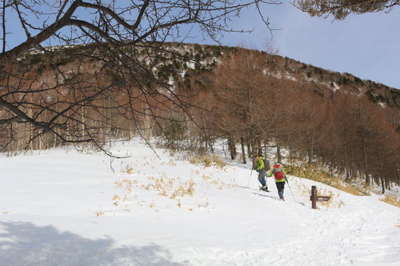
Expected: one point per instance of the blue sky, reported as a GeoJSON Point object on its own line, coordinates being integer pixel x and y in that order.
{"type": "Point", "coordinates": [367, 45]}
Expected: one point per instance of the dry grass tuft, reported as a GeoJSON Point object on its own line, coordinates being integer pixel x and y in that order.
{"type": "Point", "coordinates": [392, 200]}
{"type": "Point", "coordinates": [185, 189]}
{"type": "Point", "coordinates": [168, 187]}
{"type": "Point", "coordinates": [171, 162]}
{"type": "Point", "coordinates": [171, 187]}
{"type": "Point", "coordinates": [116, 198]}
{"type": "Point", "coordinates": [208, 161]}
{"type": "Point", "coordinates": [126, 184]}
{"type": "Point", "coordinates": [333, 202]}
{"type": "Point", "coordinates": [100, 213]}
{"type": "Point", "coordinates": [218, 183]}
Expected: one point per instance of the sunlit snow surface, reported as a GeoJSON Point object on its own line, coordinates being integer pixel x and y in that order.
{"type": "Point", "coordinates": [63, 207]}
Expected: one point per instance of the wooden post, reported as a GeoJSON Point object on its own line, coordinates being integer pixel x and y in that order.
{"type": "Point", "coordinates": [313, 197]}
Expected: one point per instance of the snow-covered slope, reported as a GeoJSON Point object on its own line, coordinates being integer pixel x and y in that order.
{"type": "Point", "coordinates": [61, 207]}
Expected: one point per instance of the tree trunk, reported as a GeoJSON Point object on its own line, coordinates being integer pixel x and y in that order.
{"type": "Point", "coordinates": [205, 142]}
{"type": "Point", "coordinates": [147, 123]}
{"type": "Point", "coordinates": [388, 185]}
{"type": "Point", "coordinates": [243, 150]}
{"type": "Point", "coordinates": [278, 153]}
{"type": "Point", "coordinates": [398, 173]}
{"type": "Point", "coordinates": [211, 144]}
{"type": "Point", "coordinates": [311, 150]}
{"type": "Point", "coordinates": [249, 152]}
{"type": "Point", "coordinates": [232, 148]}
{"type": "Point", "coordinates": [367, 179]}
{"type": "Point", "coordinates": [365, 157]}
{"type": "Point", "coordinates": [383, 185]}
{"type": "Point", "coordinates": [265, 150]}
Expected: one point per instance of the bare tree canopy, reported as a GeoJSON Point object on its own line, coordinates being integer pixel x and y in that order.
{"type": "Point", "coordinates": [73, 95]}
{"type": "Point", "coordinates": [115, 21]}
{"type": "Point", "coordinates": [340, 9]}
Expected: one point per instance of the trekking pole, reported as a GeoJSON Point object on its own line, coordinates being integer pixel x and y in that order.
{"type": "Point", "coordinates": [290, 189]}
{"type": "Point", "coordinates": [291, 192]}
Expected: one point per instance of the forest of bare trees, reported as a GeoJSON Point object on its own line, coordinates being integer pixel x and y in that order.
{"type": "Point", "coordinates": [49, 101]}
{"type": "Point", "coordinates": [350, 135]}
{"type": "Point", "coordinates": [90, 71]}
{"type": "Point", "coordinates": [74, 95]}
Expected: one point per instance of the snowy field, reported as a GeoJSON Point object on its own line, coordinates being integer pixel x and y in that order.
{"type": "Point", "coordinates": [62, 207]}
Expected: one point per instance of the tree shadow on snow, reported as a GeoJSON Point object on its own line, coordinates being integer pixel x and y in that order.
{"type": "Point", "coordinates": [25, 244]}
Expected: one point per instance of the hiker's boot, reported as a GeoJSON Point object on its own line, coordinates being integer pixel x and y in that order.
{"type": "Point", "coordinates": [281, 195]}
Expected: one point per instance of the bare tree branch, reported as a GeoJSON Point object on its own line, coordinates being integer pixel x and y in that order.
{"type": "Point", "coordinates": [116, 80]}
{"type": "Point", "coordinates": [340, 9]}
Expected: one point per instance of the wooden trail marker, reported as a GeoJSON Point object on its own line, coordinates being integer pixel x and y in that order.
{"type": "Point", "coordinates": [314, 197]}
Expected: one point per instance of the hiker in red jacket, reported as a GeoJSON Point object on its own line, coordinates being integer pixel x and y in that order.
{"type": "Point", "coordinates": [280, 178]}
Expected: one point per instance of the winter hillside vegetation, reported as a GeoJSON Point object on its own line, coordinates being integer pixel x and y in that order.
{"type": "Point", "coordinates": [122, 145]}
{"type": "Point", "coordinates": [197, 94]}
{"type": "Point", "coordinates": [65, 206]}
{"type": "Point", "coordinates": [100, 168]}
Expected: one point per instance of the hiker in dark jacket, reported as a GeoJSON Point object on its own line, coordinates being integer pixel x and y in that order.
{"type": "Point", "coordinates": [280, 178]}
{"type": "Point", "coordinates": [260, 168]}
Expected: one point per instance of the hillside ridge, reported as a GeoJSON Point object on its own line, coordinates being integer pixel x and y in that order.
{"type": "Point", "coordinates": [202, 57]}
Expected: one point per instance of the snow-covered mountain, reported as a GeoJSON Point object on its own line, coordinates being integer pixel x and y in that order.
{"type": "Point", "coordinates": [63, 207]}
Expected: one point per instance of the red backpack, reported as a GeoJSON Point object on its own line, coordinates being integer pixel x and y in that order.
{"type": "Point", "coordinates": [278, 173]}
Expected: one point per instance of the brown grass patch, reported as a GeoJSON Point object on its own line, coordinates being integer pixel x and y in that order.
{"type": "Point", "coordinates": [392, 201]}
{"type": "Point", "coordinates": [100, 213]}
{"type": "Point", "coordinates": [208, 160]}
{"type": "Point", "coordinates": [333, 202]}
{"type": "Point", "coordinates": [116, 198]}
{"type": "Point", "coordinates": [313, 173]}
{"type": "Point", "coordinates": [171, 187]}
